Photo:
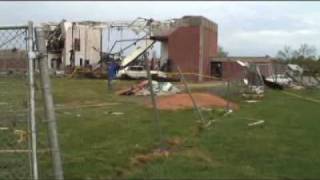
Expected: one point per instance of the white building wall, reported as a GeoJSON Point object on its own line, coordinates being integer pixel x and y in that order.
{"type": "Point", "coordinates": [89, 36]}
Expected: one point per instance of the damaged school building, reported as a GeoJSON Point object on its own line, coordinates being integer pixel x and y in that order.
{"type": "Point", "coordinates": [190, 43]}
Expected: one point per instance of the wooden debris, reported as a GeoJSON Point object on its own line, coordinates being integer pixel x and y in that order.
{"type": "Point", "coordinates": [260, 122]}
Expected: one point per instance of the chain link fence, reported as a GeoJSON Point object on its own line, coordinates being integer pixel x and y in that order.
{"type": "Point", "coordinates": [15, 151]}
{"type": "Point", "coordinates": [15, 124]}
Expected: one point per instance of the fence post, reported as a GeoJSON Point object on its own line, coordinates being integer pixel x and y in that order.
{"type": "Point", "coordinates": [153, 100]}
{"type": "Point", "coordinates": [49, 105]}
{"type": "Point", "coordinates": [32, 102]}
{"type": "Point", "coordinates": [195, 106]}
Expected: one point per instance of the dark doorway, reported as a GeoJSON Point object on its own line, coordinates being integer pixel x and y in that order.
{"type": "Point", "coordinates": [81, 62]}
{"type": "Point", "coordinates": [216, 69]}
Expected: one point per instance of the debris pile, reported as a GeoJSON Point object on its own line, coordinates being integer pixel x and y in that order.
{"type": "Point", "coordinates": [142, 89]}
{"type": "Point", "coordinates": [183, 101]}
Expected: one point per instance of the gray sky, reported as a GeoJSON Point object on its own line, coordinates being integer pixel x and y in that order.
{"type": "Point", "coordinates": [244, 28]}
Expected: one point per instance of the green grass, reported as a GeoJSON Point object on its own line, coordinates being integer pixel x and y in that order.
{"type": "Point", "coordinates": [98, 145]}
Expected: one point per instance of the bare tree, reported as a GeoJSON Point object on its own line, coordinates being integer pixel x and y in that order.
{"type": "Point", "coordinates": [305, 51]}
{"type": "Point", "coordinates": [285, 54]}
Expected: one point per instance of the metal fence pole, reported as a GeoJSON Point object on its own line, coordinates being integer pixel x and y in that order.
{"type": "Point", "coordinates": [154, 103]}
{"type": "Point", "coordinates": [152, 94]}
{"type": "Point", "coordinates": [32, 103]}
{"type": "Point", "coordinates": [195, 106]}
{"type": "Point", "coordinates": [49, 105]}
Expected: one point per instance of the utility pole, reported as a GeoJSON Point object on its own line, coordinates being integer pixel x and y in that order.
{"type": "Point", "coordinates": [32, 103]}
{"type": "Point", "coordinates": [49, 105]}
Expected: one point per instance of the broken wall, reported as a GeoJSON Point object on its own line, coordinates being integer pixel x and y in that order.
{"type": "Point", "coordinates": [90, 44]}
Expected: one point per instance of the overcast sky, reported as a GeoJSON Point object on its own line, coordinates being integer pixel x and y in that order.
{"type": "Point", "coordinates": [244, 28]}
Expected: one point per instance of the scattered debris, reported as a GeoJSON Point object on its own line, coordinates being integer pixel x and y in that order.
{"type": "Point", "coordinates": [67, 113]}
{"type": "Point", "coordinates": [157, 153]}
{"type": "Point", "coordinates": [4, 128]}
{"type": "Point", "coordinates": [229, 111]}
{"type": "Point", "coordinates": [142, 89]}
{"type": "Point", "coordinates": [280, 79]}
{"type": "Point", "coordinates": [117, 113]}
{"type": "Point", "coordinates": [297, 87]}
{"type": "Point", "coordinates": [252, 101]}
{"type": "Point", "coordinates": [139, 72]}
{"type": "Point", "coordinates": [182, 101]}
{"type": "Point", "coordinates": [114, 113]}
{"type": "Point", "coordinates": [145, 158]}
{"type": "Point", "coordinates": [272, 84]}
{"type": "Point", "coordinates": [253, 92]}
{"type": "Point", "coordinates": [22, 135]}
{"type": "Point", "coordinates": [295, 69]}
{"type": "Point", "coordinates": [3, 103]}
{"type": "Point", "coordinates": [208, 124]}
{"type": "Point", "coordinates": [175, 141]}
{"type": "Point", "coordinates": [257, 123]}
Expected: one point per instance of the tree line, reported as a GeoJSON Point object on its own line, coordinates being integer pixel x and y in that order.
{"type": "Point", "coordinates": [305, 56]}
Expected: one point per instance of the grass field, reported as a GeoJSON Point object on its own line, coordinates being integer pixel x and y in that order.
{"type": "Point", "coordinates": [97, 144]}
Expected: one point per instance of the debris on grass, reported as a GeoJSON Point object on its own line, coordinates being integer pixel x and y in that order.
{"type": "Point", "coordinates": [257, 123]}
{"type": "Point", "coordinates": [183, 101]}
{"type": "Point", "coordinates": [252, 101]}
{"type": "Point", "coordinates": [171, 145]}
{"type": "Point", "coordinates": [175, 141]}
{"type": "Point", "coordinates": [229, 111]}
{"type": "Point", "coordinates": [142, 89]}
{"type": "Point", "coordinates": [297, 87]}
{"type": "Point", "coordinates": [67, 113]}
{"type": "Point", "coordinates": [22, 135]}
{"type": "Point", "coordinates": [114, 113]}
{"type": "Point", "coordinates": [4, 128]}
{"type": "Point", "coordinates": [3, 103]}
{"type": "Point", "coordinates": [141, 159]}
{"type": "Point", "coordinates": [117, 113]}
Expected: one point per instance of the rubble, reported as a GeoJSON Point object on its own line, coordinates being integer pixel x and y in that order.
{"type": "Point", "coordinates": [297, 87]}
{"type": "Point", "coordinates": [142, 89]}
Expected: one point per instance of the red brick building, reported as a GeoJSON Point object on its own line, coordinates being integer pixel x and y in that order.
{"type": "Point", "coordinates": [229, 68]}
{"type": "Point", "coordinates": [191, 44]}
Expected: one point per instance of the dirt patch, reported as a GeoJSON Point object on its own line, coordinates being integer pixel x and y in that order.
{"type": "Point", "coordinates": [183, 101]}
{"type": "Point", "coordinates": [139, 160]}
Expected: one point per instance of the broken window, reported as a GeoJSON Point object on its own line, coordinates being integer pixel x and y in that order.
{"type": "Point", "coordinates": [77, 44]}
{"type": "Point", "coordinates": [86, 62]}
